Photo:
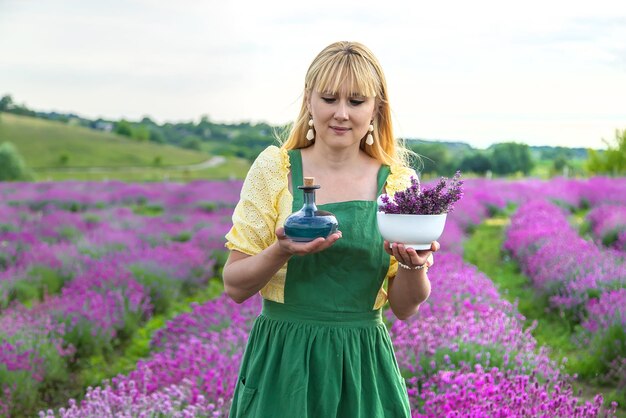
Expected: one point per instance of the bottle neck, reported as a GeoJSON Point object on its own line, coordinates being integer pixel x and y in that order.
{"type": "Point", "coordinates": [309, 203]}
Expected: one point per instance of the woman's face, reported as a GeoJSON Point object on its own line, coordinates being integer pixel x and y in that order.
{"type": "Point", "coordinates": [341, 119]}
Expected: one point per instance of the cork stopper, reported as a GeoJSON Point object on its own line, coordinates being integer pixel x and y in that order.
{"type": "Point", "coordinates": [309, 184]}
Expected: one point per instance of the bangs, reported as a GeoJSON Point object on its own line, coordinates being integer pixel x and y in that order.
{"type": "Point", "coordinates": [351, 70]}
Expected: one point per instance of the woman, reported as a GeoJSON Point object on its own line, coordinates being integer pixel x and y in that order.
{"type": "Point", "coordinates": [319, 348]}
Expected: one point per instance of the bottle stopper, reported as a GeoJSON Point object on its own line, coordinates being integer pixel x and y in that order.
{"type": "Point", "coordinates": [309, 184]}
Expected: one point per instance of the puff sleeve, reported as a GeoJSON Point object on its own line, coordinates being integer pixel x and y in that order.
{"type": "Point", "coordinates": [257, 213]}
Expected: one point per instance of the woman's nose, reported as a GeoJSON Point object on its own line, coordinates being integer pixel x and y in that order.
{"type": "Point", "coordinates": [341, 113]}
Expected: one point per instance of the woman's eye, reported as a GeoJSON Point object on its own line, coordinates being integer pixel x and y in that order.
{"type": "Point", "coordinates": [328, 99]}
{"type": "Point", "coordinates": [355, 102]}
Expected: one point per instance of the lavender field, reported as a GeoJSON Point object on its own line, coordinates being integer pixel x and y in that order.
{"type": "Point", "coordinates": [85, 266]}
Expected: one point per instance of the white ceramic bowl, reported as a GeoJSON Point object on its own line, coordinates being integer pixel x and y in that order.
{"type": "Point", "coordinates": [415, 231]}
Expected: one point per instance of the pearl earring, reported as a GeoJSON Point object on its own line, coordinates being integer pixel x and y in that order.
{"type": "Point", "coordinates": [310, 135]}
{"type": "Point", "coordinates": [370, 138]}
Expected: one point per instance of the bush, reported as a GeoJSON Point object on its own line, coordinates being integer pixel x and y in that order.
{"type": "Point", "coordinates": [12, 166]}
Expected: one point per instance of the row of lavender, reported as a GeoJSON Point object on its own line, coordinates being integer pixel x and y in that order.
{"type": "Point", "coordinates": [465, 354]}
{"type": "Point", "coordinates": [608, 225]}
{"type": "Point", "coordinates": [584, 281]}
{"type": "Point", "coordinates": [81, 269]}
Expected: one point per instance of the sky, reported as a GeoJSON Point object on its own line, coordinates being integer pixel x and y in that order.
{"type": "Point", "coordinates": [549, 72]}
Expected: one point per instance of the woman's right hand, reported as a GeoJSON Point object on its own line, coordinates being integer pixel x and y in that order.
{"type": "Point", "coordinates": [290, 247]}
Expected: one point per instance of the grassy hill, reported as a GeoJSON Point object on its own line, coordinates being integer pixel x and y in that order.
{"type": "Point", "coordinates": [57, 151]}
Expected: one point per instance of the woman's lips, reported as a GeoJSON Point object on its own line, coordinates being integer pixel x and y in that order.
{"type": "Point", "coordinates": [339, 130]}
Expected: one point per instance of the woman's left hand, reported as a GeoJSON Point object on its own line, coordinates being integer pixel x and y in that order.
{"type": "Point", "coordinates": [411, 257]}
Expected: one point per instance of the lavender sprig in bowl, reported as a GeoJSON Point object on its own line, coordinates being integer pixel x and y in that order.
{"type": "Point", "coordinates": [430, 201]}
{"type": "Point", "coordinates": [416, 217]}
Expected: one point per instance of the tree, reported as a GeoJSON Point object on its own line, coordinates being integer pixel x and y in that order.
{"type": "Point", "coordinates": [141, 133]}
{"type": "Point", "coordinates": [435, 158]}
{"type": "Point", "coordinates": [157, 136]}
{"type": "Point", "coordinates": [147, 121]}
{"type": "Point", "coordinates": [6, 103]}
{"type": "Point", "coordinates": [613, 160]}
{"type": "Point", "coordinates": [123, 127]}
{"type": "Point", "coordinates": [192, 142]}
{"type": "Point", "coordinates": [560, 163]}
{"type": "Point", "coordinates": [476, 162]}
{"type": "Point", "coordinates": [511, 157]}
{"type": "Point", "coordinates": [12, 165]}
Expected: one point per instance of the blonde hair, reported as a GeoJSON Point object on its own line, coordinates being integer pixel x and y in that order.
{"type": "Point", "coordinates": [355, 64]}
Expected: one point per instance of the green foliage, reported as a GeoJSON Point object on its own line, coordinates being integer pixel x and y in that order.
{"type": "Point", "coordinates": [208, 207]}
{"type": "Point", "coordinates": [68, 233]}
{"type": "Point", "coordinates": [156, 136]}
{"type": "Point", "coordinates": [8, 105]}
{"type": "Point", "coordinates": [148, 209]}
{"type": "Point", "coordinates": [610, 237]}
{"type": "Point", "coordinates": [511, 158]}
{"type": "Point", "coordinates": [87, 339]}
{"type": "Point", "coordinates": [191, 142]}
{"type": "Point", "coordinates": [183, 236]}
{"type": "Point", "coordinates": [560, 163]}
{"type": "Point", "coordinates": [476, 162]}
{"type": "Point", "coordinates": [554, 153]}
{"type": "Point", "coordinates": [141, 133]}
{"type": "Point", "coordinates": [50, 281]}
{"type": "Point", "coordinates": [91, 219]}
{"type": "Point", "coordinates": [613, 160]}
{"type": "Point", "coordinates": [584, 228]}
{"type": "Point", "coordinates": [162, 289]}
{"type": "Point", "coordinates": [6, 102]}
{"type": "Point", "coordinates": [604, 348]}
{"type": "Point", "coordinates": [124, 128]}
{"type": "Point", "coordinates": [64, 159]}
{"type": "Point", "coordinates": [12, 166]}
{"type": "Point", "coordinates": [37, 282]}
{"type": "Point", "coordinates": [434, 157]}
{"type": "Point", "coordinates": [23, 291]}
{"type": "Point", "coordinates": [24, 387]}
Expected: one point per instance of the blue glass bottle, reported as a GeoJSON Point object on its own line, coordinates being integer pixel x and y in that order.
{"type": "Point", "coordinates": [309, 223]}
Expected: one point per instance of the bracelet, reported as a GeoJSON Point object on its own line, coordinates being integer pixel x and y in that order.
{"type": "Point", "coordinates": [404, 266]}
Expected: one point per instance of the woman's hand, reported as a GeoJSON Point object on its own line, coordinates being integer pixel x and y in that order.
{"type": "Point", "coordinates": [409, 256]}
{"type": "Point", "coordinates": [303, 248]}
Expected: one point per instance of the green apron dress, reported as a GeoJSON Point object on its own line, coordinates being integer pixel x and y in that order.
{"type": "Point", "coordinates": [325, 352]}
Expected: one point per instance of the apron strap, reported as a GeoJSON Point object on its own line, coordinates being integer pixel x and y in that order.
{"type": "Point", "coordinates": [383, 173]}
{"type": "Point", "coordinates": [295, 159]}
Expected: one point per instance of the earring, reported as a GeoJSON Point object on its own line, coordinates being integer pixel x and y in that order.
{"type": "Point", "coordinates": [310, 135]}
{"type": "Point", "coordinates": [370, 138]}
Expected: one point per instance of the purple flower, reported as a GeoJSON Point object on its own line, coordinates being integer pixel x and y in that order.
{"type": "Point", "coordinates": [429, 201]}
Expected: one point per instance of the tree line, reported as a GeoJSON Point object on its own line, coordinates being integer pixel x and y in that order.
{"type": "Point", "coordinates": [247, 140]}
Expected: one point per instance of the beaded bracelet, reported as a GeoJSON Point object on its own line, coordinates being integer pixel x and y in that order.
{"type": "Point", "coordinates": [404, 266]}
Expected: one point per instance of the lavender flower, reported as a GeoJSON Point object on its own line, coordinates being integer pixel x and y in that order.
{"type": "Point", "coordinates": [429, 201]}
